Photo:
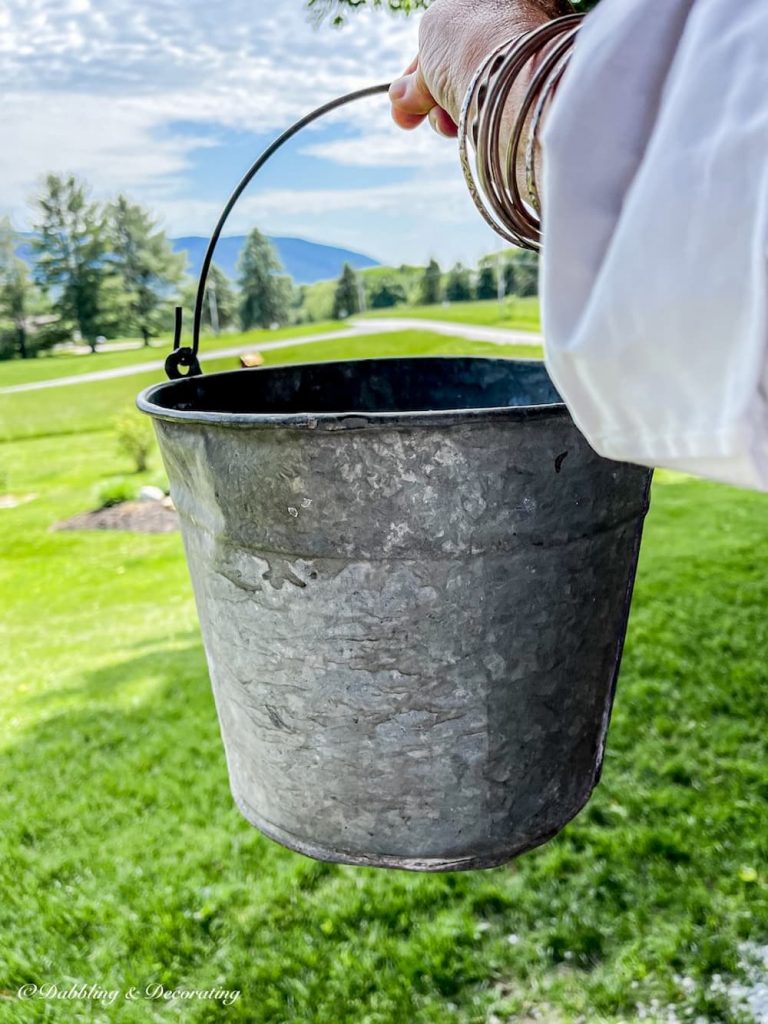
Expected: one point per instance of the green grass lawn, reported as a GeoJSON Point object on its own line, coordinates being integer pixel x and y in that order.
{"type": "Point", "coordinates": [521, 314]}
{"type": "Point", "coordinates": [124, 862]}
{"type": "Point", "coordinates": [92, 405]}
{"type": "Point", "coordinates": [47, 367]}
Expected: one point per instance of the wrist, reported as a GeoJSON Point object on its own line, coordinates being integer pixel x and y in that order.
{"type": "Point", "coordinates": [481, 43]}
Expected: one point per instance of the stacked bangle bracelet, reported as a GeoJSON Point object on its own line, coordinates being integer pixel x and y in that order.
{"type": "Point", "coordinates": [494, 180]}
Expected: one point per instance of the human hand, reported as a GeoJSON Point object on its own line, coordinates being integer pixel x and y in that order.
{"type": "Point", "coordinates": [454, 38]}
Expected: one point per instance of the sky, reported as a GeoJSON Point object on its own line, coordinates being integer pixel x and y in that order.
{"type": "Point", "coordinates": [170, 101]}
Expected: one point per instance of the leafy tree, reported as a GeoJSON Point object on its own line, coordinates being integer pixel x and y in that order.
{"type": "Point", "coordinates": [300, 313]}
{"type": "Point", "coordinates": [346, 299]}
{"type": "Point", "coordinates": [337, 9]}
{"type": "Point", "coordinates": [526, 274]}
{"type": "Point", "coordinates": [386, 293]}
{"type": "Point", "coordinates": [487, 283]}
{"type": "Point", "coordinates": [265, 295]}
{"type": "Point", "coordinates": [72, 266]}
{"type": "Point", "coordinates": [520, 270]}
{"type": "Point", "coordinates": [458, 287]}
{"type": "Point", "coordinates": [224, 298]}
{"type": "Point", "coordinates": [225, 303]}
{"type": "Point", "coordinates": [431, 289]}
{"type": "Point", "coordinates": [146, 265]}
{"type": "Point", "coordinates": [510, 278]}
{"type": "Point", "coordinates": [18, 296]}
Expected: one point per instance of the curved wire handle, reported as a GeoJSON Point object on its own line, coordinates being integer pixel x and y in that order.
{"type": "Point", "coordinates": [181, 356]}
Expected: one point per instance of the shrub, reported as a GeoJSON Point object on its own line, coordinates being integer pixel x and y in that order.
{"type": "Point", "coordinates": [135, 438]}
{"type": "Point", "coordinates": [117, 490]}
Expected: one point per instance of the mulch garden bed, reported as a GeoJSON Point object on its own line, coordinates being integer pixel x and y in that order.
{"type": "Point", "coordinates": [136, 516]}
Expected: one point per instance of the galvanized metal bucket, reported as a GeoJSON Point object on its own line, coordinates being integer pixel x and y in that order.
{"type": "Point", "coordinates": [413, 578]}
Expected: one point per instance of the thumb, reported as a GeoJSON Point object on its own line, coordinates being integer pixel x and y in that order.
{"type": "Point", "coordinates": [411, 99]}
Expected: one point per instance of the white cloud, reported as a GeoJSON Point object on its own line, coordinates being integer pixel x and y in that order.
{"type": "Point", "coordinates": [125, 94]}
{"type": "Point", "coordinates": [95, 90]}
{"type": "Point", "coordinates": [406, 222]}
{"type": "Point", "coordinates": [378, 144]}
{"type": "Point", "coordinates": [276, 206]}
{"type": "Point", "coordinates": [113, 145]}
{"type": "Point", "coordinates": [197, 48]}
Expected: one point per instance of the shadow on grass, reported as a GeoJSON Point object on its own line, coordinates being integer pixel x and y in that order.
{"type": "Point", "coordinates": [127, 864]}
{"type": "Point", "coordinates": [160, 662]}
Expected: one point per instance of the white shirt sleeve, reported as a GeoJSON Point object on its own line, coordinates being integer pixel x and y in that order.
{"type": "Point", "coordinates": [655, 198]}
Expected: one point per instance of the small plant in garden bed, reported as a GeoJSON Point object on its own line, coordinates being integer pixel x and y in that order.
{"type": "Point", "coordinates": [135, 438]}
{"type": "Point", "coordinates": [116, 491]}
{"type": "Point", "coordinates": [122, 503]}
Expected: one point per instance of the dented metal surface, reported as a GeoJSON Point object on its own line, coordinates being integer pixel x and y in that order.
{"type": "Point", "coordinates": [413, 578]}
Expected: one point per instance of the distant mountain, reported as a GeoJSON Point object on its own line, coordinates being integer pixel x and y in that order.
{"type": "Point", "coordinates": [306, 262]}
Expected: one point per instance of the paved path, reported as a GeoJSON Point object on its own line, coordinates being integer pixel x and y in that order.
{"type": "Point", "coordinates": [356, 328]}
{"type": "Point", "coordinates": [496, 335]}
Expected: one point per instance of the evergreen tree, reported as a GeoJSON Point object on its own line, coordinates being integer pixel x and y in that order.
{"type": "Point", "coordinates": [386, 293]}
{"type": "Point", "coordinates": [487, 283]}
{"type": "Point", "coordinates": [265, 295]}
{"type": "Point", "coordinates": [72, 245]}
{"type": "Point", "coordinates": [146, 265]}
{"type": "Point", "coordinates": [458, 287]}
{"type": "Point", "coordinates": [18, 296]}
{"type": "Point", "coordinates": [431, 290]}
{"type": "Point", "coordinates": [346, 299]}
{"type": "Point", "coordinates": [225, 299]}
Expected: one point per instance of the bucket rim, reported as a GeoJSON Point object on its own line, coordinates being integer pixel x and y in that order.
{"type": "Point", "coordinates": [350, 419]}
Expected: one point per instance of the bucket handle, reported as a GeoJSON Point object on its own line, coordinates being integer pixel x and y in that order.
{"type": "Point", "coordinates": [185, 356]}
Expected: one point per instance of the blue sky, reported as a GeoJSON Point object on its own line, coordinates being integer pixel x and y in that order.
{"type": "Point", "coordinates": [170, 100]}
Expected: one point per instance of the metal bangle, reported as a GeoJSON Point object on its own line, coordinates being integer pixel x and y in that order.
{"type": "Point", "coordinates": [538, 90]}
{"type": "Point", "coordinates": [475, 97]}
{"type": "Point", "coordinates": [500, 182]}
{"type": "Point", "coordinates": [532, 145]}
{"type": "Point", "coordinates": [493, 180]}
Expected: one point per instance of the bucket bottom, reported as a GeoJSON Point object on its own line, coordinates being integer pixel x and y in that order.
{"type": "Point", "coordinates": [470, 862]}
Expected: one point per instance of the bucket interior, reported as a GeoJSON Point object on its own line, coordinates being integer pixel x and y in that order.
{"type": "Point", "coordinates": [393, 385]}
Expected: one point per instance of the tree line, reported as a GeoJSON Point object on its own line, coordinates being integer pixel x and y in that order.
{"type": "Point", "coordinates": [108, 269]}
{"type": "Point", "coordinates": [514, 273]}
{"type": "Point", "coordinates": [104, 270]}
